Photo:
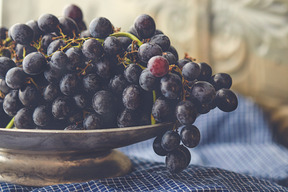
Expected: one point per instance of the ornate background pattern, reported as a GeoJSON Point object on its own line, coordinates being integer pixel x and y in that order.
{"type": "Point", "coordinates": [246, 38]}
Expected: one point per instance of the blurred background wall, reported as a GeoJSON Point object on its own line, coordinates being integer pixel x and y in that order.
{"type": "Point", "coordinates": [245, 38]}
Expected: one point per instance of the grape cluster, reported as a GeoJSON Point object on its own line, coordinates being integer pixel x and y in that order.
{"type": "Point", "coordinates": [55, 73]}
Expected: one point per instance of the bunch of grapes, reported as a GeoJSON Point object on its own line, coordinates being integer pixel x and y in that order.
{"type": "Point", "coordinates": [57, 74]}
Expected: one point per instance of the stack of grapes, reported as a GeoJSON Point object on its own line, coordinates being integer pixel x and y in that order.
{"type": "Point", "coordinates": [56, 74]}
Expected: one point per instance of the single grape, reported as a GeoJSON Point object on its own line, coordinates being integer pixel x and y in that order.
{"type": "Point", "coordinates": [145, 26]}
{"type": "Point", "coordinates": [34, 63]}
{"type": "Point", "coordinates": [174, 51]}
{"type": "Point", "coordinates": [163, 110]}
{"type": "Point", "coordinates": [100, 27]}
{"type": "Point", "coordinates": [131, 97]}
{"type": "Point", "coordinates": [92, 83]}
{"type": "Point", "coordinates": [5, 65]}
{"type": "Point", "coordinates": [112, 46]}
{"type": "Point", "coordinates": [55, 45]}
{"type": "Point", "coordinates": [170, 140]}
{"type": "Point", "coordinates": [76, 58]}
{"type": "Point", "coordinates": [59, 60]}
{"type": "Point", "coordinates": [162, 40]}
{"type": "Point", "coordinates": [147, 81]}
{"type": "Point", "coordinates": [85, 34]}
{"type": "Point", "coordinates": [190, 136]}
{"type": "Point", "coordinates": [46, 40]}
{"type": "Point", "coordinates": [132, 73]}
{"type": "Point", "coordinates": [23, 119]}
{"type": "Point", "coordinates": [206, 72]}
{"type": "Point", "coordinates": [186, 112]}
{"type": "Point", "coordinates": [52, 75]}
{"type": "Point", "coordinates": [50, 92]}
{"type": "Point", "coordinates": [117, 84]}
{"type": "Point", "coordinates": [48, 23]}
{"type": "Point", "coordinates": [147, 50]}
{"type": "Point", "coordinates": [127, 118]}
{"type": "Point", "coordinates": [42, 115]}
{"type": "Point", "coordinates": [74, 12]}
{"type": "Point", "coordinates": [104, 68]}
{"type": "Point", "coordinates": [104, 102]}
{"type": "Point", "coordinates": [125, 42]}
{"type": "Point", "coordinates": [226, 100]}
{"type": "Point", "coordinates": [29, 96]}
{"type": "Point", "coordinates": [68, 26]}
{"type": "Point", "coordinates": [62, 107]}
{"type": "Point", "coordinates": [158, 149]}
{"type": "Point", "coordinates": [177, 160]}
{"type": "Point", "coordinates": [3, 86]}
{"type": "Point", "coordinates": [22, 34]}
{"type": "Point", "coordinates": [36, 31]}
{"type": "Point", "coordinates": [182, 62]}
{"type": "Point", "coordinates": [81, 101]}
{"type": "Point", "coordinates": [4, 117]}
{"type": "Point", "coordinates": [191, 71]}
{"type": "Point", "coordinates": [158, 66]}
{"type": "Point", "coordinates": [11, 103]}
{"type": "Point", "coordinates": [69, 84]}
{"type": "Point", "coordinates": [170, 57]}
{"type": "Point", "coordinates": [221, 80]}
{"type": "Point", "coordinates": [92, 121]}
{"type": "Point", "coordinates": [15, 78]}
{"type": "Point", "coordinates": [82, 26]}
{"type": "Point", "coordinates": [202, 92]}
{"type": "Point", "coordinates": [92, 49]}
{"type": "Point", "coordinates": [171, 86]}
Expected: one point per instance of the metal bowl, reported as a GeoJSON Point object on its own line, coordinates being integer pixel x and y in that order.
{"type": "Point", "coordinates": [46, 157]}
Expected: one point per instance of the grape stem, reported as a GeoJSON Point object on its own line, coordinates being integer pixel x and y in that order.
{"type": "Point", "coordinates": [154, 99]}
{"type": "Point", "coordinates": [10, 124]}
{"type": "Point", "coordinates": [129, 35]}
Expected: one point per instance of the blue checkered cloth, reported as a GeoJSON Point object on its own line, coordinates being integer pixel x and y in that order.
{"type": "Point", "coordinates": [237, 152]}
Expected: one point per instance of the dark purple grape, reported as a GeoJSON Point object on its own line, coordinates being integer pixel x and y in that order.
{"type": "Point", "coordinates": [186, 112]}
{"type": "Point", "coordinates": [29, 96]}
{"type": "Point", "coordinates": [117, 84]}
{"type": "Point", "coordinates": [42, 115]}
{"type": "Point", "coordinates": [163, 110]}
{"type": "Point", "coordinates": [174, 51]}
{"type": "Point", "coordinates": [11, 103]}
{"type": "Point", "coordinates": [191, 71]}
{"type": "Point", "coordinates": [202, 92]}
{"type": "Point", "coordinates": [4, 117]}
{"type": "Point", "coordinates": [34, 63]}
{"type": "Point", "coordinates": [5, 65]}
{"type": "Point", "coordinates": [22, 34]}
{"type": "Point", "coordinates": [92, 83]}
{"type": "Point", "coordinates": [59, 60]}
{"type": "Point", "coordinates": [158, 31]}
{"type": "Point", "coordinates": [104, 102]}
{"type": "Point", "coordinates": [182, 62]}
{"type": "Point", "coordinates": [177, 160]}
{"type": "Point", "coordinates": [19, 50]}
{"type": "Point", "coordinates": [76, 58]}
{"type": "Point", "coordinates": [147, 50]}
{"type": "Point", "coordinates": [205, 107]}
{"type": "Point", "coordinates": [170, 140]}
{"type": "Point", "coordinates": [171, 86]}
{"type": "Point", "coordinates": [23, 119]}
{"type": "Point", "coordinates": [158, 66]}
{"type": "Point", "coordinates": [69, 84]}
{"type": "Point", "coordinates": [51, 92]}
{"type": "Point", "coordinates": [81, 101]}
{"type": "Point", "coordinates": [226, 100]}
{"type": "Point", "coordinates": [206, 72]}
{"type": "Point", "coordinates": [147, 81]}
{"type": "Point", "coordinates": [190, 136]}
{"type": "Point", "coordinates": [92, 49]}
{"type": "Point", "coordinates": [125, 42]}
{"type": "Point", "coordinates": [3, 33]}
{"type": "Point", "coordinates": [15, 78]}
{"type": "Point", "coordinates": [46, 40]}
{"type": "Point", "coordinates": [132, 73]}
{"type": "Point", "coordinates": [48, 23]}
{"type": "Point", "coordinates": [36, 31]}
{"type": "Point", "coordinates": [145, 26]}
{"type": "Point", "coordinates": [52, 75]}
{"type": "Point", "coordinates": [100, 27]}
{"type": "Point", "coordinates": [92, 121]}
{"type": "Point", "coordinates": [112, 46]}
{"type": "Point", "coordinates": [158, 149]}
{"type": "Point", "coordinates": [170, 57]}
{"type": "Point", "coordinates": [68, 26]}
{"type": "Point", "coordinates": [82, 26]}
{"type": "Point", "coordinates": [162, 40]}
{"type": "Point", "coordinates": [104, 68]}
{"type": "Point", "coordinates": [131, 97]}
{"type": "Point", "coordinates": [55, 46]}
{"type": "Point", "coordinates": [74, 12]}
{"type": "Point", "coordinates": [221, 80]}
{"type": "Point", "coordinates": [133, 31]}
{"type": "Point", "coordinates": [62, 107]}
{"type": "Point", "coordinates": [3, 86]}
{"type": "Point", "coordinates": [127, 118]}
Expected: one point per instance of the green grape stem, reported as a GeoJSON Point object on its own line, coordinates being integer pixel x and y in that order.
{"type": "Point", "coordinates": [10, 124]}
{"type": "Point", "coordinates": [129, 35]}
